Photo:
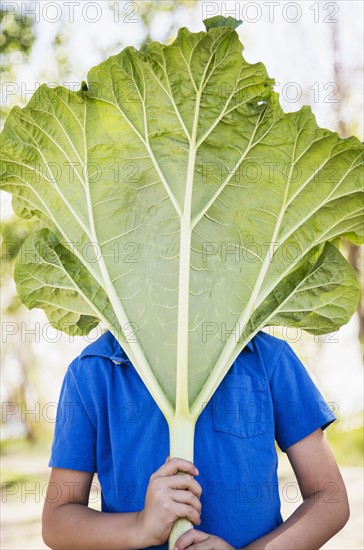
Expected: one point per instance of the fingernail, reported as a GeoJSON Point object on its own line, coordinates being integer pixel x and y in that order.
{"type": "Point", "coordinates": [196, 470]}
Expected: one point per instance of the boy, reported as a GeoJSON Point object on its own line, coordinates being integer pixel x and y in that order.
{"type": "Point", "coordinates": [108, 423]}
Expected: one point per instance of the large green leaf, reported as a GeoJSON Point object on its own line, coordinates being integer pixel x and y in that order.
{"type": "Point", "coordinates": [179, 198]}
{"type": "Point", "coordinates": [51, 277]}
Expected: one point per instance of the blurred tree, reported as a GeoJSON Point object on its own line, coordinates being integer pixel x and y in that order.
{"type": "Point", "coordinates": [148, 14]}
{"type": "Point", "coordinates": [16, 35]}
{"type": "Point", "coordinates": [16, 359]}
{"type": "Point", "coordinates": [347, 127]}
{"type": "Point", "coordinates": [150, 11]}
{"type": "Point", "coordinates": [17, 38]}
{"type": "Point", "coordinates": [16, 42]}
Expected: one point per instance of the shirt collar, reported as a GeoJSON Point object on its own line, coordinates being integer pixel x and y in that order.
{"type": "Point", "coordinates": [108, 347]}
{"type": "Point", "coordinates": [250, 345]}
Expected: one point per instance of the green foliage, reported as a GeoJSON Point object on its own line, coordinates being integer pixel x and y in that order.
{"type": "Point", "coordinates": [16, 41]}
{"type": "Point", "coordinates": [347, 445]}
{"type": "Point", "coordinates": [16, 34]}
{"type": "Point", "coordinates": [12, 233]}
{"type": "Point", "coordinates": [22, 446]}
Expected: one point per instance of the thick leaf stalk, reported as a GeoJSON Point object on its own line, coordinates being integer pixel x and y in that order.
{"type": "Point", "coordinates": [181, 438]}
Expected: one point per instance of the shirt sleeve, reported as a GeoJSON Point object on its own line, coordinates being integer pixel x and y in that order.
{"type": "Point", "coordinates": [299, 407]}
{"type": "Point", "coordinates": [74, 441]}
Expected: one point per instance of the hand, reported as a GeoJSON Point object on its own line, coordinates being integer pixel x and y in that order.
{"type": "Point", "coordinates": [169, 496]}
{"type": "Point", "coordinates": [197, 540]}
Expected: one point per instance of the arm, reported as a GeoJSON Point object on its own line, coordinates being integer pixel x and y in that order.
{"type": "Point", "coordinates": [68, 522]}
{"type": "Point", "coordinates": [321, 515]}
{"type": "Point", "coordinates": [323, 511]}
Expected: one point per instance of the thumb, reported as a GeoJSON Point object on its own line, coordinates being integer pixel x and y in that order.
{"type": "Point", "coordinates": [167, 458]}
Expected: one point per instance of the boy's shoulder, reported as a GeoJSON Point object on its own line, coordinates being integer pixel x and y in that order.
{"type": "Point", "coordinates": [265, 342]}
{"type": "Point", "coordinates": [92, 368]}
{"type": "Point", "coordinates": [107, 347]}
{"type": "Point", "coordinates": [263, 353]}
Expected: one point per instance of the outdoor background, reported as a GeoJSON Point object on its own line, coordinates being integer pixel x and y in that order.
{"type": "Point", "coordinates": [314, 51]}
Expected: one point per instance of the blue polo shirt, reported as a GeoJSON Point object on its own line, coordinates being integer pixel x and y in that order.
{"type": "Point", "coordinates": [107, 422]}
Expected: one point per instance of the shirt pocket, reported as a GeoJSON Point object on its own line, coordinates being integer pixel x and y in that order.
{"type": "Point", "coordinates": [239, 405]}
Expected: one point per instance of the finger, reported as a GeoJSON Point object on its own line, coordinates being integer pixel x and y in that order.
{"type": "Point", "coordinates": [168, 458]}
{"type": "Point", "coordinates": [184, 481]}
{"type": "Point", "coordinates": [193, 536]}
{"type": "Point", "coordinates": [186, 497]}
{"type": "Point", "coordinates": [200, 545]}
{"type": "Point", "coordinates": [186, 511]}
{"type": "Point", "coordinates": [175, 465]}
